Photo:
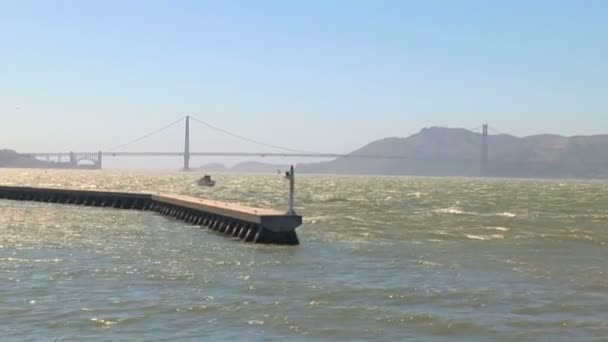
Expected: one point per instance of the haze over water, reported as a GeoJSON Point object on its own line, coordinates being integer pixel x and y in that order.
{"type": "Point", "coordinates": [381, 258]}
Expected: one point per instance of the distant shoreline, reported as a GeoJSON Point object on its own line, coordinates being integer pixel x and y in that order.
{"type": "Point", "coordinates": [432, 152]}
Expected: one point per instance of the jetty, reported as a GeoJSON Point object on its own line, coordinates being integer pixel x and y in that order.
{"type": "Point", "coordinates": [249, 224]}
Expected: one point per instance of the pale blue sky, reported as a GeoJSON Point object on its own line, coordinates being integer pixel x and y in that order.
{"type": "Point", "coordinates": [314, 75]}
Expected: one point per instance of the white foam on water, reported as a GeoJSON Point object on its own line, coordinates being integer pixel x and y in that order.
{"type": "Point", "coordinates": [506, 214]}
{"type": "Point", "coordinates": [502, 229]}
{"type": "Point", "coordinates": [316, 219]}
{"type": "Point", "coordinates": [484, 237]}
{"type": "Point", "coordinates": [450, 210]}
{"type": "Point", "coordinates": [430, 263]}
{"type": "Point", "coordinates": [103, 321]}
{"type": "Point", "coordinates": [31, 260]}
{"type": "Point", "coordinates": [475, 237]}
{"type": "Point", "coordinates": [354, 218]}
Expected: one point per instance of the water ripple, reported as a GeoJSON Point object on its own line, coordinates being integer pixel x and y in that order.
{"type": "Point", "coordinates": [382, 258]}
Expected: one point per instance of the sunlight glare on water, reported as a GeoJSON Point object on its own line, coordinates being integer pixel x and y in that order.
{"type": "Point", "coordinates": [381, 258]}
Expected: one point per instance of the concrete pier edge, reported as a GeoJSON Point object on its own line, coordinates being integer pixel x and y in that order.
{"type": "Point", "coordinates": [256, 225]}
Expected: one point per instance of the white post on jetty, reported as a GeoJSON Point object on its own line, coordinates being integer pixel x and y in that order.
{"type": "Point", "coordinates": [291, 191]}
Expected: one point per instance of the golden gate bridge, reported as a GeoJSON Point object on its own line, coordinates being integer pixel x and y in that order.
{"type": "Point", "coordinates": [93, 160]}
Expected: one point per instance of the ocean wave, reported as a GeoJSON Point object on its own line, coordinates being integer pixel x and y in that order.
{"type": "Point", "coordinates": [416, 194]}
{"type": "Point", "coordinates": [450, 210]}
{"type": "Point", "coordinates": [549, 309]}
{"type": "Point", "coordinates": [436, 324]}
{"type": "Point", "coordinates": [452, 327]}
{"type": "Point", "coordinates": [331, 199]}
{"type": "Point", "coordinates": [354, 218]}
{"type": "Point", "coordinates": [315, 219]}
{"type": "Point", "coordinates": [31, 260]}
{"type": "Point", "coordinates": [459, 211]}
{"type": "Point", "coordinates": [430, 263]}
{"type": "Point", "coordinates": [506, 214]}
{"type": "Point", "coordinates": [484, 237]}
{"type": "Point", "coordinates": [414, 317]}
{"type": "Point", "coordinates": [502, 229]}
{"type": "Point", "coordinates": [568, 323]}
{"type": "Point", "coordinates": [102, 322]}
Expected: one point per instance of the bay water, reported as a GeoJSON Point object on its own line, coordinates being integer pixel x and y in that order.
{"type": "Point", "coordinates": [381, 258]}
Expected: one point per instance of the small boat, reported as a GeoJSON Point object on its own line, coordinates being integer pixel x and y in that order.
{"type": "Point", "coordinates": [206, 181]}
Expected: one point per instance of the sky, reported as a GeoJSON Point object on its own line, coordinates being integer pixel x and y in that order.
{"type": "Point", "coordinates": [315, 75]}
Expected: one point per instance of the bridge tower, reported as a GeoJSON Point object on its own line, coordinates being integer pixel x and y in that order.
{"type": "Point", "coordinates": [484, 149]}
{"type": "Point", "coordinates": [187, 145]}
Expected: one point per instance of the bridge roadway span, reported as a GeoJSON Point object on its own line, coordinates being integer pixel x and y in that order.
{"type": "Point", "coordinates": [250, 224]}
{"type": "Point", "coordinates": [214, 154]}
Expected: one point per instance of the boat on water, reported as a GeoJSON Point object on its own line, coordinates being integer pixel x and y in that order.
{"type": "Point", "coordinates": [206, 181]}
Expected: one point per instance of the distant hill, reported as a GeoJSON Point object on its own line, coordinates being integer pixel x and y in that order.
{"type": "Point", "coordinates": [212, 167]}
{"type": "Point", "coordinates": [252, 167]}
{"type": "Point", "coordinates": [439, 151]}
{"type": "Point", "coordinates": [10, 158]}
{"type": "Point", "coordinates": [258, 167]}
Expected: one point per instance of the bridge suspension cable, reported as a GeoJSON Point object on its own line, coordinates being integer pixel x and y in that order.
{"type": "Point", "coordinates": [283, 148]}
{"type": "Point", "coordinates": [475, 129]}
{"type": "Point", "coordinates": [494, 130]}
{"type": "Point", "coordinates": [117, 147]}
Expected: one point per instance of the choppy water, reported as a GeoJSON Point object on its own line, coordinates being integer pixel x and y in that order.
{"type": "Point", "coordinates": [381, 258]}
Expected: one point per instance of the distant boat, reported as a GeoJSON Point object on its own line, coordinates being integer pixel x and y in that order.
{"type": "Point", "coordinates": [206, 181]}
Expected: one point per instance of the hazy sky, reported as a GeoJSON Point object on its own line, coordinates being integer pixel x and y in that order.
{"type": "Point", "coordinates": [314, 75]}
